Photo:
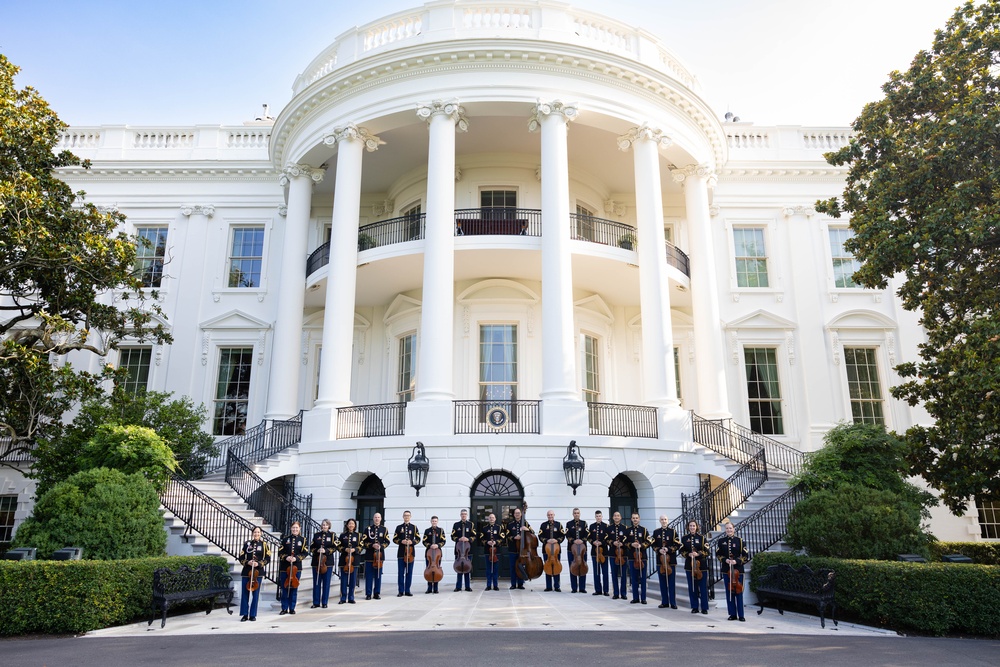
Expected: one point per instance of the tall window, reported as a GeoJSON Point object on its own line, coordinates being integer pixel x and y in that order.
{"type": "Point", "coordinates": [498, 362]}
{"type": "Point", "coordinates": [585, 226]}
{"type": "Point", "coordinates": [150, 251]}
{"type": "Point", "coordinates": [763, 390]}
{"type": "Point", "coordinates": [135, 362]}
{"type": "Point", "coordinates": [844, 264]}
{"type": "Point", "coordinates": [751, 257]}
{"type": "Point", "coordinates": [989, 518]}
{"type": "Point", "coordinates": [677, 373]}
{"type": "Point", "coordinates": [413, 230]}
{"type": "Point", "coordinates": [8, 505]}
{"type": "Point", "coordinates": [406, 379]}
{"type": "Point", "coordinates": [232, 391]}
{"type": "Point", "coordinates": [246, 256]}
{"type": "Point", "coordinates": [591, 370]}
{"type": "Point", "coordinates": [863, 385]}
{"type": "Point", "coordinates": [498, 204]}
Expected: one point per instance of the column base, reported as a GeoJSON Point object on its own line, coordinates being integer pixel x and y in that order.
{"type": "Point", "coordinates": [569, 418]}
{"type": "Point", "coordinates": [429, 417]}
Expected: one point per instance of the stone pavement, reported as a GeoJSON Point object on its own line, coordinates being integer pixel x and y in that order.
{"type": "Point", "coordinates": [529, 609]}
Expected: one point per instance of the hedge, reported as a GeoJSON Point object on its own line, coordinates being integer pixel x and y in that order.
{"type": "Point", "coordinates": [981, 553]}
{"type": "Point", "coordinates": [60, 597]}
{"type": "Point", "coordinates": [924, 598]}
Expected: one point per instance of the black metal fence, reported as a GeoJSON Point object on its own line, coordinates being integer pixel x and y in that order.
{"type": "Point", "coordinates": [20, 453]}
{"type": "Point", "coordinates": [710, 506]}
{"type": "Point", "coordinates": [678, 259]}
{"type": "Point", "coordinates": [391, 231]}
{"type": "Point", "coordinates": [497, 417]}
{"type": "Point", "coordinates": [599, 230]}
{"type": "Point", "coordinates": [630, 421]}
{"type": "Point", "coordinates": [259, 442]}
{"type": "Point", "coordinates": [277, 509]}
{"type": "Point", "coordinates": [318, 258]}
{"type": "Point", "coordinates": [741, 444]}
{"type": "Point", "coordinates": [371, 421]}
{"type": "Point", "coordinates": [498, 221]}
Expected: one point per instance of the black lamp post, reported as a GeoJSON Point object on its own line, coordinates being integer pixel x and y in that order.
{"type": "Point", "coordinates": [418, 465]}
{"type": "Point", "coordinates": [573, 466]}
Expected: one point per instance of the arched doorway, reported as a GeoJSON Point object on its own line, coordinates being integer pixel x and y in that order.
{"type": "Point", "coordinates": [371, 499]}
{"type": "Point", "coordinates": [499, 493]}
{"type": "Point", "coordinates": [623, 498]}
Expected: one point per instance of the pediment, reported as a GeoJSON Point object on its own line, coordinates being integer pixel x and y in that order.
{"type": "Point", "coordinates": [595, 305]}
{"type": "Point", "coordinates": [761, 319]}
{"type": "Point", "coordinates": [235, 319]}
{"type": "Point", "coordinates": [861, 319]}
{"type": "Point", "coordinates": [401, 306]}
{"type": "Point", "coordinates": [498, 291]}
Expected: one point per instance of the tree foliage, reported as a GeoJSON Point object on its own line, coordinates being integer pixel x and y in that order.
{"type": "Point", "coordinates": [67, 274]}
{"type": "Point", "coordinates": [923, 194]}
{"type": "Point", "coordinates": [110, 514]}
{"type": "Point", "coordinates": [130, 449]}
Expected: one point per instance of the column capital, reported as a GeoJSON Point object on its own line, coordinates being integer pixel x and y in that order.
{"type": "Point", "coordinates": [681, 174]}
{"type": "Point", "coordinates": [293, 171]}
{"type": "Point", "coordinates": [207, 210]}
{"type": "Point", "coordinates": [645, 133]}
{"type": "Point", "coordinates": [351, 132]}
{"type": "Point", "coordinates": [450, 108]}
{"type": "Point", "coordinates": [569, 111]}
{"type": "Point", "coordinates": [807, 211]}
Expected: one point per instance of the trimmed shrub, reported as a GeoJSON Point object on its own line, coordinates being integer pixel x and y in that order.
{"type": "Point", "coordinates": [926, 598]}
{"type": "Point", "coordinates": [58, 597]}
{"type": "Point", "coordinates": [130, 449]}
{"type": "Point", "coordinates": [982, 553]}
{"type": "Point", "coordinates": [110, 514]}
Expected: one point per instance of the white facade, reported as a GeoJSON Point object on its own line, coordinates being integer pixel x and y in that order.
{"type": "Point", "coordinates": [529, 136]}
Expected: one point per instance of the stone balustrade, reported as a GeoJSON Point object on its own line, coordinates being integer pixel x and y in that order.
{"type": "Point", "coordinates": [202, 142]}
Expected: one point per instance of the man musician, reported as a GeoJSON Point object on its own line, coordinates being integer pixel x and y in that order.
{"type": "Point", "coordinates": [322, 548]}
{"type": "Point", "coordinates": [576, 532]}
{"type": "Point", "coordinates": [492, 537]}
{"type": "Point", "coordinates": [619, 571]}
{"type": "Point", "coordinates": [550, 532]}
{"type": "Point", "coordinates": [515, 528]}
{"type": "Point", "coordinates": [598, 536]}
{"type": "Point", "coordinates": [434, 539]}
{"type": "Point", "coordinates": [666, 544]}
{"type": "Point", "coordinates": [406, 537]}
{"type": "Point", "coordinates": [732, 555]}
{"type": "Point", "coordinates": [637, 540]}
{"type": "Point", "coordinates": [463, 532]}
{"type": "Point", "coordinates": [374, 541]}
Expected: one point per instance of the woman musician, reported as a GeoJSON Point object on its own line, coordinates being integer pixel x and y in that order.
{"type": "Point", "coordinates": [694, 550]}
{"type": "Point", "coordinates": [350, 547]}
{"type": "Point", "coordinates": [324, 543]}
{"type": "Point", "coordinates": [732, 555]}
{"type": "Point", "coordinates": [254, 555]}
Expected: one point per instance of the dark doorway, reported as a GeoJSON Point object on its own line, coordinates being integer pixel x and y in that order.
{"type": "Point", "coordinates": [371, 500]}
{"type": "Point", "coordinates": [624, 498]}
{"type": "Point", "coordinates": [498, 493]}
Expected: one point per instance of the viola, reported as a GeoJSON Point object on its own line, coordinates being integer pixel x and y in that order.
{"type": "Point", "coordinates": [494, 556]}
{"type": "Point", "coordinates": [292, 580]}
{"type": "Point", "coordinates": [552, 565]}
{"type": "Point", "coordinates": [665, 562]}
{"type": "Point", "coordinates": [735, 581]}
{"type": "Point", "coordinates": [377, 557]}
{"type": "Point", "coordinates": [602, 558]}
{"type": "Point", "coordinates": [408, 552]}
{"type": "Point", "coordinates": [637, 558]}
{"type": "Point", "coordinates": [253, 583]}
{"type": "Point", "coordinates": [696, 565]}
{"type": "Point", "coordinates": [619, 556]}
{"type": "Point", "coordinates": [463, 564]}
{"type": "Point", "coordinates": [578, 568]}
{"type": "Point", "coordinates": [347, 562]}
{"type": "Point", "coordinates": [433, 572]}
{"type": "Point", "coordinates": [322, 569]}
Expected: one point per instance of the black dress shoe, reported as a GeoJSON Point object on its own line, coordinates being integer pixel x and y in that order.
{"type": "Point", "coordinates": [547, 590]}
{"type": "Point", "coordinates": [313, 606]}
{"type": "Point", "coordinates": [496, 588]}
{"type": "Point", "coordinates": [400, 595]}
{"type": "Point", "coordinates": [342, 602]}
{"type": "Point", "coordinates": [324, 606]}
{"type": "Point", "coordinates": [634, 602]}
{"type": "Point", "coordinates": [642, 601]}
{"type": "Point", "coordinates": [368, 597]}
{"type": "Point", "coordinates": [606, 594]}
{"type": "Point", "coordinates": [694, 611]}
{"type": "Point", "coordinates": [520, 587]}
{"type": "Point", "coordinates": [513, 588]}
{"type": "Point", "coordinates": [377, 596]}
{"type": "Point", "coordinates": [350, 602]}
{"type": "Point", "coordinates": [282, 613]}
{"type": "Point", "coordinates": [253, 618]}
{"type": "Point", "coordinates": [409, 595]}
{"type": "Point", "coordinates": [558, 590]}
{"type": "Point", "coordinates": [291, 611]}
{"type": "Point", "coordinates": [468, 590]}
{"type": "Point", "coordinates": [243, 618]}
{"type": "Point", "coordinates": [662, 606]}
{"type": "Point", "coordinates": [615, 597]}
{"type": "Point", "coordinates": [743, 619]}
{"type": "Point", "coordinates": [598, 593]}
{"type": "Point", "coordinates": [731, 618]}
{"type": "Point", "coordinates": [673, 606]}
{"type": "Point", "coordinates": [704, 611]}
{"type": "Point", "coordinates": [583, 591]}
{"type": "Point", "coordinates": [458, 590]}
{"type": "Point", "coordinates": [428, 592]}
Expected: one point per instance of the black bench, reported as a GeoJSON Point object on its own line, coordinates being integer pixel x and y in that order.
{"type": "Point", "coordinates": [783, 582]}
{"type": "Point", "coordinates": [184, 584]}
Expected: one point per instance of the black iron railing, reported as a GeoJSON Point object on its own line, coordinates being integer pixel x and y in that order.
{"type": "Point", "coordinates": [318, 258]}
{"type": "Point", "coordinates": [277, 509]}
{"type": "Point", "coordinates": [710, 506]}
{"type": "Point", "coordinates": [498, 221]}
{"type": "Point", "coordinates": [497, 417]}
{"type": "Point", "coordinates": [741, 444]}
{"type": "Point", "coordinates": [259, 442]}
{"type": "Point", "coordinates": [598, 230]}
{"type": "Point", "coordinates": [395, 230]}
{"type": "Point", "coordinates": [678, 259]}
{"type": "Point", "coordinates": [630, 421]}
{"type": "Point", "coordinates": [21, 453]}
{"type": "Point", "coordinates": [370, 421]}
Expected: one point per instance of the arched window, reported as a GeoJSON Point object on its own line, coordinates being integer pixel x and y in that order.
{"type": "Point", "coordinates": [494, 492]}
{"type": "Point", "coordinates": [624, 498]}
{"type": "Point", "coordinates": [371, 499]}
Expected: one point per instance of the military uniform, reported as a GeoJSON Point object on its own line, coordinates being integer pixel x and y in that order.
{"type": "Point", "coordinates": [253, 550]}
{"type": "Point", "coordinates": [619, 573]}
{"type": "Point", "coordinates": [349, 577]}
{"type": "Point", "coordinates": [405, 531]}
{"type": "Point", "coordinates": [321, 582]}
{"type": "Point", "coordinates": [598, 532]}
{"type": "Point", "coordinates": [433, 535]}
{"type": "Point", "coordinates": [732, 548]}
{"type": "Point", "coordinates": [372, 537]}
{"type": "Point", "coordinates": [292, 546]}
{"type": "Point", "coordinates": [492, 533]}
{"type": "Point", "coordinates": [666, 538]}
{"type": "Point", "coordinates": [458, 531]}
{"type": "Point", "coordinates": [550, 530]}
{"type": "Point", "coordinates": [514, 547]}
{"type": "Point", "coordinates": [576, 530]}
{"type": "Point", "coordinates": [695, 543]}
{"type": "Point", "coordinates": [637, 560]}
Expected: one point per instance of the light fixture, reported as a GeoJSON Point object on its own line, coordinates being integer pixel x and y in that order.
{"type": "Point", "coordinates": [573, 466]}
{"type": "Point", "coordinates": [418, 466]}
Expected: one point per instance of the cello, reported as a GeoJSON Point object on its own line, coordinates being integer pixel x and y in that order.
{"type": "Point", "coordinates": [463, 564]}
{"type": "Point", "coordinates": [529, 563]}
{"type": "Point", "coordinates": [578, 568]}
{"type": "Point", "coordinates": [552, 566]}
{"type": "Point", "coordinates": [433, 572]}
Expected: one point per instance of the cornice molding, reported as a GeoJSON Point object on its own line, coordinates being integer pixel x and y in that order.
{"type": "Point", "coordinates": [131, 172]}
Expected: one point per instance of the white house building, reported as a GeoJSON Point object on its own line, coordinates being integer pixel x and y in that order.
{"type": "Point", "coordinates": [494, 229]}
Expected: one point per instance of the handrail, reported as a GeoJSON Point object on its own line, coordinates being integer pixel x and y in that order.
{"type": "Point", "coordinates": [258, 442]}
{"type": "Point", "coordinates": [498, 221]}
{"type": "Point", "coordinates": [369, 421]}
{"type": "Point", "coordinates": [630, 421]}
{"type": "Point", "coordinates": [710, 507]}
{"type": "Point", "coordinates": [474, 417]}
{"type": "Point", "coordinates": [394, 230]}
{"type": "Point", "coordinates": [598, 230]}
{"type": "Point", "coordinates": [740, 444]}
{"type": "Point", "coordinates": [275, 508]}
{"type": "Point", "coordinates": [678, 259]}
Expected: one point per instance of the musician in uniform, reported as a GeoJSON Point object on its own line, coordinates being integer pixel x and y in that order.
{"type": "Point", "coordinates": [463, 531]}
{"type": "Point", "coordinates": [637, 541]}
{"type": "Point", "coordinates": [492, 538]}
{"type": "Point", "coordinates": [434, 539]}
{"type": "Point", "coordinates": [576, 532]}
{"type": "Point", "coordinates": [406, 537]}
{"type": "Point", "coordinates": [374, 539]}
{"type": "Point", "coordinates": [666, 544]}
{"type": "Point", "coordinates": [292, 551]}
{"type": "Point", "coordinates": [598, 537]}
{"type": "Point", "coordinates": [350, 545]}
{"type": "Point", "coordinates": [694, 548]}
{"type": "Point", "coordinates": [515, 529]}
{"type": "Point", "coordinates": [550, 532]}
{"type": "Point", "coordinates": [322, 546]}
{"type": "Point", "coordinates": [732, 555]}
{"type": "Point", "coordinates": [619, 571]}
{"type": "Point", "coordinates": [254, 555]}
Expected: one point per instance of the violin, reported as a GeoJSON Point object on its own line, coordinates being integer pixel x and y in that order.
{"type": "Point", "coordinates": [637, 557]}
{"type": "Point", "coordinates": [552, 565]}
{"type": "Point", "coordinates": [408, 551]}
{"type": "Point", "coordinates": [463, 564]}
{"type": "Point", "coordinates": [433, 572]}
{"type": "Point", "coordinates": [578, 568]}
{"type": "Point", "coordinates": [377, 557]}
{"type": "Point", "coordinates": [292, 580]}
{"type": "Point", "coordinates": [696, 565]}
{"type": "Point", "coordinates": [322, 564]}
{"type": "Point", "coordinates": [601, 556]}
{"type": "Point", "coordinates": [735, 581]}
{"type": "Point", "coordinates": [494, 556]}
{"type": "Point", "coordinates": [253, 583]}
{"type": "Point", "coordinates": [347, 562]}
{"type": "Point", "coordinates": [665, 562]}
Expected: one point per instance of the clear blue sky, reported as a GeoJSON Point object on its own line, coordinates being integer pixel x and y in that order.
{"type": "Point", "coordinates": [184, 62]}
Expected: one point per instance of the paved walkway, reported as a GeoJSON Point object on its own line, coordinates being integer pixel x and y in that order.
{"type": "Point", "coordinates": [529, 609]}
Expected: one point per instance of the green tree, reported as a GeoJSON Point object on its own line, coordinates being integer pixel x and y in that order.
{"type": "Point", "coordinates": [110, 514]}
{"type": "Point", "coordinates": [67, 275]}
{"type": "Point", "coordinates": [130, 449]}
{"type": "Point", "coordinates": [923, 194]}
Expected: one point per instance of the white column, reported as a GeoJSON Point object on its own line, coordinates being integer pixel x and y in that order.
{"type": "Point", "coordinates": [283, 385]}
{"type": "Point", "coordinates": [342, 276]}
{"type": "Point", "coordinates": [713, 397]}
{"type": "Point", "coordinates": [658, 376]}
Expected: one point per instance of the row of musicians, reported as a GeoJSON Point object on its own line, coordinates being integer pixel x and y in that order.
{"type": "Point", "coordinates": [616, 549]}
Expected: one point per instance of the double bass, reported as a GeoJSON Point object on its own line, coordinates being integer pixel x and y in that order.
{"type": "Point", "coordinates": [529, 563]}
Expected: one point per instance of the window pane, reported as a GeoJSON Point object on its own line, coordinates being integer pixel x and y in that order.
{"type": "Point", "coordinates": [8, 505]}
{"type": "Point", "coordinates": [232, 391]}
{"type": "Point", "coordinates": [863, 385]}
{"type": "Point", "coordinates": [498, 362]}
{"type": "Point", "coordinates": [407, 368]}
{"type": "Point", "coordinates": [677, 374]}
{"type": "Point", "coordinates": [989, 518]}
{"type": "Point", "coordinates": [246, 257]}
{"type": "Point", "coordinates": [591, 372]}
{"type": "Point", "coordinates": [844, 264]}
{"type": "Point", "coordinates": [135, 362]}
{"type": "Point", "coordinates": [751, 257]}
{"type": "Point", "coordinates": [763, 390]}
{"type": "Point", "coordinates": [150, 251]}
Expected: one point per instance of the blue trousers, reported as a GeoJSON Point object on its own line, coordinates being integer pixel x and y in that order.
{"type": "Point", "coordinates": [405, 577]}
{"type": "Point", "coordinates": [321, 586]}
{"type": "Point", "coordinates": [348, 581]}
{"type": "Point", "coordinates": [734, 602]}
{"type": "Point", "coordinates": [514, 579]}
{"type": "Point", "coordinates": [289, 595]}
{"type": "Point", "coordinates": [492, 572]}
{"type": "Point", "coordinates": [576, 583]}
{"type": "Point", "coordinates": [668, 586]}
{"type": "Point", "coordinates": [465, 578]}
{"type": "Point", "coordinates": [619, 574]}
{"type": "Point", "coordinates": [700, 592]}
{"type": "Point", "coordinates": [373, 579]}
{"type": "Point", "coordinates": [638, 580]}
{"type": "Point", "coordinates": [600, 576]}
{"type": "Point", "coordinates": [248, 600]}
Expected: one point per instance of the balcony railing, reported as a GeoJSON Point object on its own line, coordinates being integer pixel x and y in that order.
{"type": "Point", "coordinates": [599, 230]}
{"type": "Point", "coordinates": [678, 259]}
{"type": "Point", "coordinates": [629, 421]}
{"type": "Point", "coordinates": [395, 230]}
{"type": "Point", "coordinates": [371, 421]}
{"type": "Point", "coordinates": [319, 258]}
{"type": "Point", "coordinates": [498, 221]}
{"type": "Point", "coordinates": [496, 417]}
